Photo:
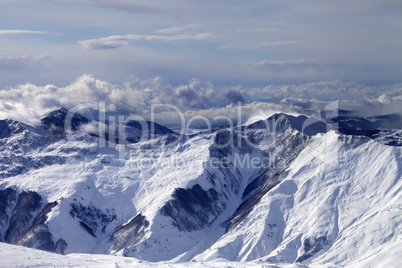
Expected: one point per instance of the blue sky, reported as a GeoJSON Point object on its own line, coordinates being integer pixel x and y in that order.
{"type": "Point", "coordinates": [239, 46]}
{"type": "Point", "coordinates": [227, 42]}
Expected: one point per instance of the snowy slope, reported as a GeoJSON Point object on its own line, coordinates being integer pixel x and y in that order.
{"type": "Point", "coordinates": [317, 198]}
{"type": "Point", "coordinates": [17, 256]}
{"type": "Point", "coordinates": [331, 209]}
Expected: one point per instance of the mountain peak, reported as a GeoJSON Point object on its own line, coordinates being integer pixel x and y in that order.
{"type": "Point", "coordinates": [280, 121]}
{"type": "Point", "coordinates": [55, 120]}
{"type": "Point", "coordinates": [9, 127]}
{"type": "Point", "coordinates": [59, 112]}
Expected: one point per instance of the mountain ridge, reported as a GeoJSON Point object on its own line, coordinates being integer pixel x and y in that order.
{"type": "Point", "coordinates": [172, 202]}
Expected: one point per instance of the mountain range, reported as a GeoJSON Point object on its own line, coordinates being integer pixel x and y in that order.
{"type": "Point", "coordinates": [288, 189]}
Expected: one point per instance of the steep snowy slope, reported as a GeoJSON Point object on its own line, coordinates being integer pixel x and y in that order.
{"type": "Point", "coordinates": [18, 142]}
{"type": "Point", "coordinates": [279, 190]}
{"type": "Point", "coordinates": [339, 199]}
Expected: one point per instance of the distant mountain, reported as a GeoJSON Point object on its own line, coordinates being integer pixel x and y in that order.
{"type": "Point", "coordinates": [133, 131]}
{"type": "Point", "coordinates": [282, 190]}
{"type": "Point", "coordinates": [372, 127]}
{"type": "Point", "coordinates": [55, 121]}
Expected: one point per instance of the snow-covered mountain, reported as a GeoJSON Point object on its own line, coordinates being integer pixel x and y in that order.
{"type": "Point", "coordinates": [61, 122]}
{"type": "Point", "coordinates": [282, 190]}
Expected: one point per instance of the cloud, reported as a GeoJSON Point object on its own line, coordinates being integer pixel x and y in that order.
{"type": "Point", "coordinates": [324, 90]}
{"type": "Point", "coordinates": [283, 62]}
{"type": "Point", "coordinates": [363, 100]}
{"type": "Point", "coordinates": [116, 41]}
{"type": "Point", "coordinates": [22, 32]}
{"type": "Point", "coordinates": [19, 112]}
{"type": "Point", "coordinates": [24, 57]}
{"type": "Point", "coordinates": [287, 67]}
{"type": "Point", "coordinates": [136, 7]}
{"type": "Point", "coordinates": [372, 107]}
{"type": "Point", "coordinates": [174, 30]}
{"type": "Point", "coordinates": [232, 96]}
{"type": "Point", "coordinates": [131, 98]}
{"type": "Point", "coordinates": [9, 63]}
{"type": "Point", "coordinates": [104, 43]}
{"type": "Point", "coordinates": [28, 102]}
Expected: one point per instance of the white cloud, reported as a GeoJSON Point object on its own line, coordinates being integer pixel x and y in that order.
{"type": "Point", "coordinates": [116, 41]}
{"type": "Point", "coordinates": [131, 98]}
{"type": "Point", "coordinates": [282, 62]}
{"type": "Point", "coordinates": [325, 90]}
{"type": "Point", "coordinates": [24, 57]}
{"type": "Point", "coordinates": [175, 30]}
{"type": "Point", "coordinates": [18, 111]}
{"type": "Point", "coordinates": [21, 32]}
{"type": "Point", "coordinates": [384, 98]}
{"type": "Point", "coordinates": [28, 102]}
